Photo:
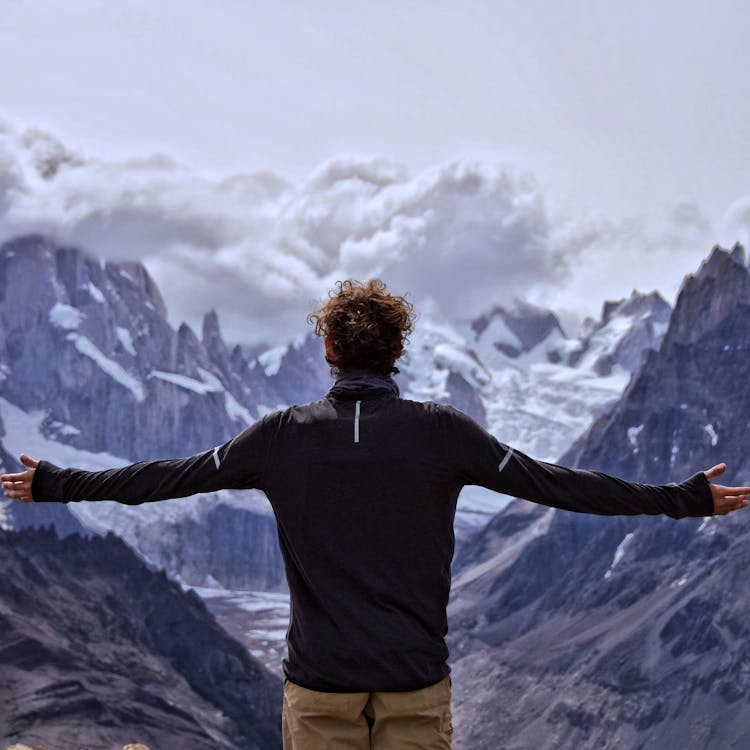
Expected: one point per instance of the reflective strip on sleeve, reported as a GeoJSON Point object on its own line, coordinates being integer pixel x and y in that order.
{"type": "Point", "coordinates": [356, 421]}
{"type": "Point", "coordinates": [505, 460]}
{"type": "Point", "coordinates": [216, 458]}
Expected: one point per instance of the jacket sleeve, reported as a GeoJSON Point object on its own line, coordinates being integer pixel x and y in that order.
{"type": "Point", "coordinates": [478, 458]}
{"type": "Point", "coordinates": [237, 464]}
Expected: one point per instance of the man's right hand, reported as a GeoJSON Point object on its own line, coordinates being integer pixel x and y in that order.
{"type": "Point", "coordinates": [18, 485]}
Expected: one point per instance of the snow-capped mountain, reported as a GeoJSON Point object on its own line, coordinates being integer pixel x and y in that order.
{"type": "Point", "coordinates": [576, 631]}
{"type": "Point", "coordinates": [517, 372]}
{"type": "Point", "coordinates": [93, 375]}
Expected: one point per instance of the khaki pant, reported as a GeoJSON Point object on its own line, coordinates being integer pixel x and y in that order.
{"type": "Point", "coordinates": [416, 720]}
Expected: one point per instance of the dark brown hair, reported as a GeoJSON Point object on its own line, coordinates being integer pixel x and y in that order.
{"type": "Point", "coordinates": [365, 325]}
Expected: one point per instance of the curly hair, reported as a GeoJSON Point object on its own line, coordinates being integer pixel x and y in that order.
{"type": "Point", "coordinates": [365, 326]}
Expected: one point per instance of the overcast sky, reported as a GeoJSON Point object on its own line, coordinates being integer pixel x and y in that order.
{"type": "Point", "coordinates": [624, 127]}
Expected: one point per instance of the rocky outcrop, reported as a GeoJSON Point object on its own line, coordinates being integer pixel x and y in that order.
{"type": "Point", "coordinates": [97, 650]}
{"type": "Point", "coordinates": [573, 631]}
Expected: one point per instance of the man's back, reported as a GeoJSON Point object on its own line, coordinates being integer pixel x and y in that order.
{"type": "Point", "coordinates": [365, 504]}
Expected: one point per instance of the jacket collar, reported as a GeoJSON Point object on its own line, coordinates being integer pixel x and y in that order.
{"type": "Point", "coordinates": [364, 383]}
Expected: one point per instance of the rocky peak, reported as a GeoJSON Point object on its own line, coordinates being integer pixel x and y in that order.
{"type": "Point", "coordinates": [520, 327]}
{"type": "Point", "coordinates": [105, 329]}
{"type": "Point", "coordinates": [211, 331]}
{"type": "Point", "coordinates": [637, 304]}
{"type": "Point", "coordinates": [709, 296]}
{"type": "Point", "coordinates": [628, 328]}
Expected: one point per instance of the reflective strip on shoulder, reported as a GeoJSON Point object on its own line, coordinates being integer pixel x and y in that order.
{"type": "Point", "coordinates": [356, 421]}
{"type": "Point", "coordinates": [505, 460]}
{"type": "Point", "coordinates": [216, 457]}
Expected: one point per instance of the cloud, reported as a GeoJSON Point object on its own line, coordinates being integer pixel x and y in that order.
{"type": "Point", "coordinates": [735, 224]}
{"type": "Point", "coordinates": [263, 251]}
{"type": "Point", "coordinates": [607, 258]}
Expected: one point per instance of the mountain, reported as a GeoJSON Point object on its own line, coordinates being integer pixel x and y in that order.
{"type": "Point", "coordinates": [119, 384]}
{"type": "Point", "coordinates": [93, 375]}
{"type": "Point", "coordinates": [576, 631]}
{"type": "Point", "coordinates": [98, 650]}
{"type": "Point", "coordinates": [627, 330]}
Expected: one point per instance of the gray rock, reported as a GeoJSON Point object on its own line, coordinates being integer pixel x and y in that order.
{"type": "Point", "coordinates": [98, 650]}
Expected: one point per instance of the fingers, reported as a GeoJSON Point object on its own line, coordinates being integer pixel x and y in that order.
{"type": "Point", "coordinates": [715, 471]}
{"type": "Point", "coordinates": [728, 499]}
{"type": "Point", "coordinates": [18, 486]}
{"type": "Point", "coordinates": [722, 508]}
{"type": "Point", "coordinates": [22, 476]}
{"type": "Point", "coordinates": [18, 490]}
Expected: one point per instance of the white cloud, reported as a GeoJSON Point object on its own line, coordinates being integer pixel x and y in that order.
{"type": "Point", "coordinates": [262, 251]}
{"type": "Point", "coordinates": [608, 259]}
{"type": "Point", "coordinates": [735, 224]}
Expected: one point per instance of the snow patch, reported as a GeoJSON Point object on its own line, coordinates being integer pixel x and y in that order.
{"type": "Point", "coordinates": [271, 360]}
{"type": "Point", "coordinates": [633, 433]}
{"type": "Point", "coordinates": [123, 334]}
{"type": "Point", "coordinates": [60, 428]}
{"type": "Point", "coordinates": [210, 379]}
{"type": "Point", "coordinates": [183, 381]}
{"type": "Point", "coordinates": [236, 410]}
{"type": "Point", "coordinates": [66, 317]}
{"type": "Point", "coordinates": [606, 340]}
{"type": "Point", "coordinates": [707, 525]}
{"type": "Point", "coordinates": [619, 552]}
{"type": "Point", "coordinates": [109, 366]}
{"type": "Point", "coordinates": [95, 292]}
{"type": "Point", "coordinates": [498, 332]}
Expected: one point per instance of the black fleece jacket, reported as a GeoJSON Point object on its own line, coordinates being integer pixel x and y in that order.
{"type": "Point", "coordinates": [364, 487]}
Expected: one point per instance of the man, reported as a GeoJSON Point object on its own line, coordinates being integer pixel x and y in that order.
{"type": "Point", "coordinates": [364, 486]}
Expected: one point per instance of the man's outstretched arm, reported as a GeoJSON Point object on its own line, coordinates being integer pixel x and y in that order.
{"type": "Point", "coordinates": [237, 464]}
{"type": "Point", "coordinates": [479, 458]}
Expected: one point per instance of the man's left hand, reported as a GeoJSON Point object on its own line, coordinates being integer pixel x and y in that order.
{"type": "Point", "coordinates": [726, 499]}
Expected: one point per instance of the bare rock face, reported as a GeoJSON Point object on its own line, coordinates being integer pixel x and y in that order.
{"type": "Point", "coordinates": [98, 650]}
{"type": "Point", "coordinates": [234, 548]}
{"type": "Point", "coordinates": [575, 631]}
